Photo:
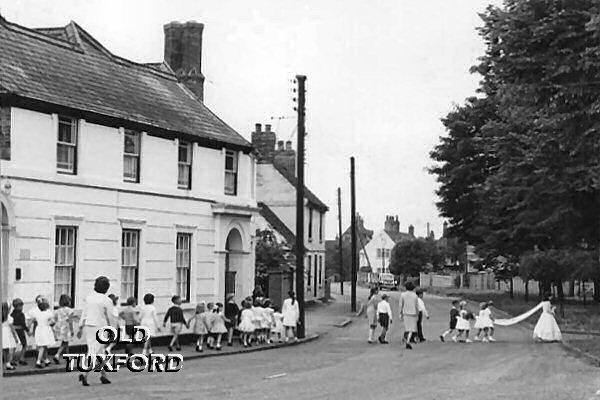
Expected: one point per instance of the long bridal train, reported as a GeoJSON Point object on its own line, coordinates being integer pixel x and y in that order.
{"type": "Point", "coordinates": [546, 329]}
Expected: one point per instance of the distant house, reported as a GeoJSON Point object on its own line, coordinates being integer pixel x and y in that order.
{"type": "Point", "coordinates": [377, 253]}
{"type": "Point", "coordinates": [276, 191]}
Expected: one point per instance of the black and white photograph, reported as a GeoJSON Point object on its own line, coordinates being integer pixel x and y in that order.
{"type": "Point", "coordinates": [300, 199]}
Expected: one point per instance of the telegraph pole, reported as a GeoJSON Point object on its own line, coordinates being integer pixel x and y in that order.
{"type": "Point", "coordinates": [340, 248]}
{"type": "Point", "coordinates": [353, 228]}
{"type": "Point", "coordinates": [300, 80]}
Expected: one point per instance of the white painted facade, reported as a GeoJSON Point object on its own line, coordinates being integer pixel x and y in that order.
{"type": "Point", "coordinates": [378, 252]}
{"type": "Point", "coordinates": [279, 194]}
{"type": "Point", "coordinates": [100, 205]}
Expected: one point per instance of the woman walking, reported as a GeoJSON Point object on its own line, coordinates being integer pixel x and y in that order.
{"type": "Point", "coordinates": [291, 315]}
{"type": "Point", "coordinates": [370, 306]}
{"type": "Point", "coordinates": [546, 329]}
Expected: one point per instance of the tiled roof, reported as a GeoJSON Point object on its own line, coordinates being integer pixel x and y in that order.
{"type": "Point", "coordinates": [399, 236]}
{"type": "Point", "coordinates": [277, 224]}
{"type": "Point", "coordinates": [68, 68]}
{"type": "Point", "coordinates": [310, 196]}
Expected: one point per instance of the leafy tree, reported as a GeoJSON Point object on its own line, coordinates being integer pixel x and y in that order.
{"type": "Point", "coordinates": [410, 257]}
{"type": "Point", "coordinates": [269, 255]}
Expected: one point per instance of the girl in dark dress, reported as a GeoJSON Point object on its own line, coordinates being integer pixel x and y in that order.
{"type": "Point", "coordinates": [232, 312]}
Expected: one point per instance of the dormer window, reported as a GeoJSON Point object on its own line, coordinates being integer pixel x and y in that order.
{"type": "Point", "coordinates": [66, 148]}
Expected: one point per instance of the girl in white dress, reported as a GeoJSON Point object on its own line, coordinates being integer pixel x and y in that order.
{"type": "Point", "coordinates": [198, 324]}
{"type": "Point", "coordinates": [463, 325]}
{"type": "Point", "coordinates": [9, 337]}
{"type": "Point", "coordinates": [291, 315]}
{"type": "Point", "coordinates": [277, 329]}
{"type": "Point", "coordinates": [483, 323]}
{"type": "Point", "coordinates": [217, 326]}
{"type": "Point", "coordinates": [43, 321]}
{"type": "Point", "coordinates": [149, 320]}
{"type": "Point", "coordinates": [546, 329]}
{"type": "Point", "coordinates": [246, 323]}
{"type": "Point", "coordinates": [269, 319]}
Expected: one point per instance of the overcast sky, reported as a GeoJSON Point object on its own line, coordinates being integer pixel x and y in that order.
{"type": "Point", "coordinates": [381, 74]}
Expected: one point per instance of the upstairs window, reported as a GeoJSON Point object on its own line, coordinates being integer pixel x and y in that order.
{"type": "Point", "coordinates": [320, 227]}
{"type": "Point", "coordinates": [184, 179]}
{"type": "Point", "coordinates": [131, 157]}
{"type": "Point", "coordinates": [66, 148]}
{"type": "Point", "coordinates": [310, 224]}
{"type": "Point", "coordinates": [231, 168]}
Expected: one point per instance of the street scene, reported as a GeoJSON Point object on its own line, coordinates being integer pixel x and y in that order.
{"type": "Point", "coordinates": [306, 200]}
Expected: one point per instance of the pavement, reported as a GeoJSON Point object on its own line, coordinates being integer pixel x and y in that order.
{"type": "Point", "coordinates": [341, 364]}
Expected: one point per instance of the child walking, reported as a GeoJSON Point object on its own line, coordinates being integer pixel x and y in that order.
{"type": "Point", "coordinates": [491, 327]}
{"type": "Point", "coordinates": [217, 326]}
{"type": "Point", "coordinates": [198, 324]}
{"type": "Point", "coordinates": [483, 323]}
{"type": "Point", "coordinates": [210, 316]}
{"type": "Point", "coordinates": [463, 324]}
{"type": "Point", "coordinates": [9, 337]}
{"type": "Point", "coordinates": [268, 320]}
{"type": "Point", "coordinates": [131, 316]}
{"type": "Point", "coordinates": [232, 312]}
{"type": "Point", "coordinates": [21, 329]}
{"type": "Point", "coordinates": [384, 311]}
{"type": "Point", "coordinates": [277, 328]}
{"type": "Point", "coordinates": [63, 328]}
{"type": "Point", "coordinates": [149, 319]}
{"type": "Point", "coordinates": [453, 320]}
{"type": "Point", "coordinates": [114, 319]}
{"type": "Point", "coordinates": [258, 311]}
{"type": "Point", "coordinates": [246, 323]}
{"type": "Point", "coordinates": [43, 320]}
{"type": "Point", "coordinates": [175, 314]}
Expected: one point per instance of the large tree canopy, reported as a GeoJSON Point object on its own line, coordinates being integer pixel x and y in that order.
{"type": "Point", "coordinates": [411, 256]}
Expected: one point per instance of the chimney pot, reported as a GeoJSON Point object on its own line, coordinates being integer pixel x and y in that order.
{"type": "Point", "coordinates": [267, 127]}
{"type": "Point", "coordinates": [280, 145]}
{"type": "Point", "coordinates": [258, 128]}
{"type": "Point", "coordinates": [288, 145]}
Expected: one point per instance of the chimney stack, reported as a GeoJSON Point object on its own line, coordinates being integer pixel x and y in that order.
{"type": "Point", "coordinates": [285, 157]}
{"type": "Point", "coordinates": [279, 144]}
{"type": "Point", "coordinates": [264, 143]}
{"type": "Point", "coordinates": [288, 145]}
{"type": "Point", "coordinates": [183, 53]}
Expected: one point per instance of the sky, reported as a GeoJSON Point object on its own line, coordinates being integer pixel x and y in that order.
{"type": "Point", "coordinates": [380, 75]}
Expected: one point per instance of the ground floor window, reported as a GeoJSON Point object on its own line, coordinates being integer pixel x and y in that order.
{"type": "Point", "coordinates": [320, 270]}
{"type": "Point", "coordinates": [308, 272]}
{"type": "Point", "coordinates": [64, 261]}
{"type": "Point", "coordinates": [183, 265]}
{"type": "Point", "coordinates": [129, 263]}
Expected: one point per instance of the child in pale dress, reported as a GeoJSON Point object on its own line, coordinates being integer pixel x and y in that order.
{"type": "Point", "coordinates": [114, 319]}
{"type": "Point", "coordinates": [9, 337]}
{"type": "Point", "coordinates": [268, 320]}
{"type": "Point", "coordinates": [258, 311]}
{"type": "Point", "coordinates": [149, 319]}
{"type": "Point", "coordinates": [491, 327]}
{"type": "Point", "coordinates": [43, 321]}
{"type": "Point", "coordinates": [217, 326]}
{"type": "Point", "coordinates": [198, 324]}
{"type": "Point", "coordinates": [463, 324]}
{"type": "Point", "coordinates": [63, 328]}
{"type": "Point", "coordinates": [277, 329]}
{"type": "Point", "coordinates": [483, 323]}
{"type": "Point", "coordinates": [208, 318]}
{"type": "Point", "coordinates": [246, 323]}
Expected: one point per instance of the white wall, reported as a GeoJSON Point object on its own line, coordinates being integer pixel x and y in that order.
{"type": "Point", "coordinates": [380, 240]}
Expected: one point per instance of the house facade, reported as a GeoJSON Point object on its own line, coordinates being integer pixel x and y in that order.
{"type": "Point", "coordinates": [377, 253]}
{"type": "Point", "coordinates": [109, 167]}
{"type": "Point", "coordinates": [276, 189]}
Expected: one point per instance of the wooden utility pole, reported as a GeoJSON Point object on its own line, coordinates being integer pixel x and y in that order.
{"type": "Point", "coordinates": [340, 245]}
{"type": "Point", "coordinates": [300, 80]}
{"type": "Point", "coordinates": [353, 229]}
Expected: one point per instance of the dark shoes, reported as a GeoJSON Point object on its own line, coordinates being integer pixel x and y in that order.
{"type": "Point", "coordinates": [104, 380]}
{"type": "Point", "coordinates": [408, 346]}
{"type": "Point", "coordinates": [442, 338]}
{"type": "Point", "coordinates": [56, 360]}
{"type": "Point", "coordinates": [83, 380]}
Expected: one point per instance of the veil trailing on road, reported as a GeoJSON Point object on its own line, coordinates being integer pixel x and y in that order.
{"type": "Point", "coordinates": [518, 318]}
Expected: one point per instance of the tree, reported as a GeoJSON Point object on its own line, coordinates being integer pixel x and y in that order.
{"type": "Point", "coordinates": [269, 255]}
{"type": "Point", "coordinates": [410, 257]}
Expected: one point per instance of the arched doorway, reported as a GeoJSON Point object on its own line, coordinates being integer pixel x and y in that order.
{"type": "Point", "coordinates": [4, 249]}
{"type": "Point", "coordinates": [234, 248]}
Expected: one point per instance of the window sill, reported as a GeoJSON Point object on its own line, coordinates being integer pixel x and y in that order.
{"type": "Point", "coordinates": [65, 172]}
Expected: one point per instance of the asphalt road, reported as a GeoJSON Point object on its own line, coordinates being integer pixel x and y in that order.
{"type": "Point", "coordinates": [341, 365]}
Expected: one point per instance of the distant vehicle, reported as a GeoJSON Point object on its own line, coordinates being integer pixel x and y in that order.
{"type": "Point", "coordinates": [387, 281]}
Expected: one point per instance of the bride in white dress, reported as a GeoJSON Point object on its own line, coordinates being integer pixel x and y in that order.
{"type": "Point", "coordinates": [546, 329]}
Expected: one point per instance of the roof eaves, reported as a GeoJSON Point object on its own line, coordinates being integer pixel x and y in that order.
{"type": "Point", "coordinates": [310, 196]}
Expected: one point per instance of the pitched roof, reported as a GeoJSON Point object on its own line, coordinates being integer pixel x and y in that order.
{"type": "Point", "coordinates": [310, 196]}
{"type": "Point", "coordinates": [277, 224]}
{"type": "Point", "coordinates": [66, 67]}
{"type": "Point", "coordinates": [399, 236]}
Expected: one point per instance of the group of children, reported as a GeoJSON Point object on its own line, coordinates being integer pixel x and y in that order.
{"type": "Point", "coordinates": [257, 321]}
{"type": "Point", "coordinates": [461, 319]}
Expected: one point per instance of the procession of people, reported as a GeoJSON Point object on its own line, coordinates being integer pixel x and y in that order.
{"type": "Point", "coordinates": [412, 312]}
